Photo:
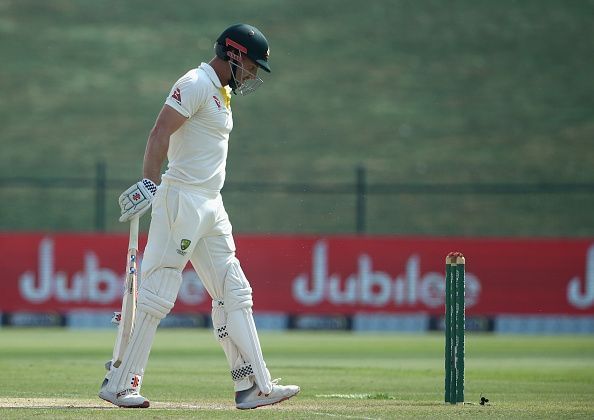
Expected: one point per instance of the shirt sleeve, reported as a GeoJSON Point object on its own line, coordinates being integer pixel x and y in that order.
{"type": "Point", "coordinates": [187, 95]}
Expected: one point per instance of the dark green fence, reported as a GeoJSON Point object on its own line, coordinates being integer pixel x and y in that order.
{"type": "Point", "coordinates": [406, 208]}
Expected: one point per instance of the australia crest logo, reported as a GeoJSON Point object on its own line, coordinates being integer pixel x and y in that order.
{"type": "Point", "coordinates": [184, 244]}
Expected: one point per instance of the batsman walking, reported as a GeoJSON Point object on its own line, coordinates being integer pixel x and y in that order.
{"type": "Point", "coordinates": [189, 223]}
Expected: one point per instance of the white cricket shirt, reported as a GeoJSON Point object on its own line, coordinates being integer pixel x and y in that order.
{"type": "Point", "coordinates": [197, 152]}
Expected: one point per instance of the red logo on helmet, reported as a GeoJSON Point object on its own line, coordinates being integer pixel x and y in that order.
{"type": "Point", "coordinates": [237, 46]}
{"type": "Point", "coordinates": [240, 48]}
{"type": "Point", "coordinates": [177, 96]}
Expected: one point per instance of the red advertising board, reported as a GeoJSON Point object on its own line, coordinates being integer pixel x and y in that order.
{"type": "Point", "coordinates": [313, 274]}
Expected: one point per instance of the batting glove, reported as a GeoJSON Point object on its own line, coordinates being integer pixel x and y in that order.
{"type": "Point", "coordinates": [137, 199]}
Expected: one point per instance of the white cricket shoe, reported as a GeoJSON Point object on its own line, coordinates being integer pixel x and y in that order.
{"type": "Point", "coordinates": [254, 398]}
{"type": "Point", "coordinates": [127, 399]}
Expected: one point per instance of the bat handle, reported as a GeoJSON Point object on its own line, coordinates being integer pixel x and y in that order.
{"type": "Point", "coordinates": [133, 244]}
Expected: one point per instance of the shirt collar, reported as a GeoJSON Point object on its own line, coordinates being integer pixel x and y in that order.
{"type": "Point", "coordinates": [212, 75]}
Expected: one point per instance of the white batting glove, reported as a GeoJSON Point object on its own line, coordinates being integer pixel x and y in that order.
{"type": "Point", "coordinates": [137, 199]}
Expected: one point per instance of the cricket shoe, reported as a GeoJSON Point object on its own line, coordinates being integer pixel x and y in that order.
{"type": "Point", "coordinates": [128, 398]}
{"type": "Point", "coordinates": [254, 398]}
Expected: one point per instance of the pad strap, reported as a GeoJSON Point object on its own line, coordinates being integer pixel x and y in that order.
{"type": "Point", "coordinates": [242, 371]}
{"type": "Point", "coordinates": [219, 321]}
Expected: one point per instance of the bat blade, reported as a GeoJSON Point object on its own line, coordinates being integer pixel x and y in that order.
{"type": "Point", "coordinates": [128, 312]}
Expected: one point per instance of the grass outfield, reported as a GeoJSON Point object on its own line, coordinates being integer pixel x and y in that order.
{"type": "Point", "coordinates": [55, 373]}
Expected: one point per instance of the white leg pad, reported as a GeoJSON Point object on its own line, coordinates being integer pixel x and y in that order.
{"type": "Point", "coordinates": [234, 358]}
{"type": "Point", "coordinates": [242, 329]}
{"type": "Point", "coordinates": [156, 297]}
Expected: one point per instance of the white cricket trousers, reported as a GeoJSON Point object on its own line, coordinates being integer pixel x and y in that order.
{"type": "Point", "coordinates": [190, 224]}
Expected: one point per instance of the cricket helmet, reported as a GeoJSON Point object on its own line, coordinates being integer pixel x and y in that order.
{"type": "Point", "coordinates": [241, 39]}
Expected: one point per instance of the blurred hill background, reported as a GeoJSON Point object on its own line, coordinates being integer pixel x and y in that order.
{"type": "Point", "coordinates": [495, 96]}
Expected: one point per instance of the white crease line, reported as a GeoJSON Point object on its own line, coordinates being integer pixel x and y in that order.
{"type": "Point", "coordinates": [342, 416]}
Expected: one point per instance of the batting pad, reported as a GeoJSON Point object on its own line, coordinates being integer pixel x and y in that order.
{"type": "Point", "coordinates": [156, 297]}
{"type": "Point", "coordinates": [234, 358]}
{"type": "Point", "coordinates": [242, 330]}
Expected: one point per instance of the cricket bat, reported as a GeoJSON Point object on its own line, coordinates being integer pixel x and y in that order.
{"type": "Point", "coordinates": [125, 319]}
